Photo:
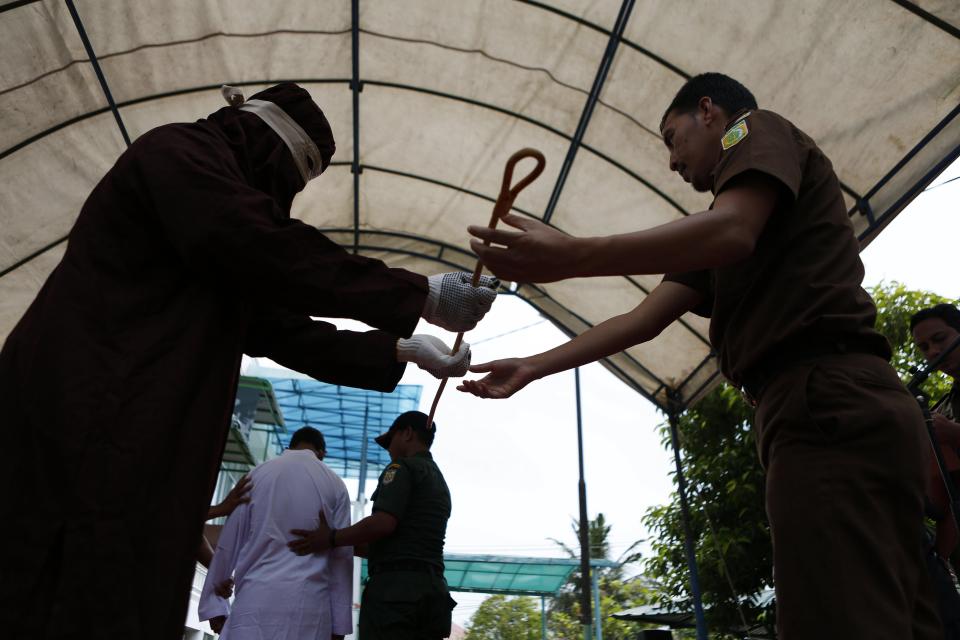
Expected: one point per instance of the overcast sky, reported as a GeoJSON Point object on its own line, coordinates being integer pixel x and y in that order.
{"type": "Point", "coordinates": [512, 464]}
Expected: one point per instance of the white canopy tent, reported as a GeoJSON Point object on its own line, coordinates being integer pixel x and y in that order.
{"type": "Point", "coordinates": [428, 98]}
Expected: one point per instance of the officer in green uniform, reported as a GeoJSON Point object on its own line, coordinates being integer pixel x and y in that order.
{"type": "Point", "coordinates": [406, 595]}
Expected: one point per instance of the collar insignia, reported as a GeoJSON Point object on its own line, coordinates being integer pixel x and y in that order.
{"type": "Point", "coordinates": [735, 134]}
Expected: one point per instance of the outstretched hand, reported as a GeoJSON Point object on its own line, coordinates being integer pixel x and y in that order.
{"type": "Point", "coordinates": [536, 253]}
{"type": "Point", "coordinates": [503, 379]}
{"type": "Point", "coordinates": [240, 494]}
{"type": "Point", "coordinates": [311, 540]}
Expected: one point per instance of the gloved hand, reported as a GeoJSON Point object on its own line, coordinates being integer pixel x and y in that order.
{"type": "Point", "coordinates": [454, 304]}
{"type": "Point", "coordinates": [432, 354]}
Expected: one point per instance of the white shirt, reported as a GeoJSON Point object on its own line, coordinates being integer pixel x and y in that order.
{"type": "Point", "coordinates": [278, 594]}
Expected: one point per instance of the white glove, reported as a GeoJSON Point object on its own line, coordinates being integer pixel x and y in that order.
{"type": "Point", "coordinates": [454, 304]}
{"type": "Point", "coordinates": [432, 354]}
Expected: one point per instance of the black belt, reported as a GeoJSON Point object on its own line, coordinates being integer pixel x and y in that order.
{"type": "Point", "coordinates": [420, 566]}
{"type": "Point", "coordinates": [794, 351]}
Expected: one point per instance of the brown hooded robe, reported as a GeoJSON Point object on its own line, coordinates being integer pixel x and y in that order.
{"type": "Point", "coordinates": [117, 385]}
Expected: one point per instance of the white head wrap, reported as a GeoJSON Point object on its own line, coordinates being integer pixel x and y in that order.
{"type": "Point", "coordinates": [305, 153]}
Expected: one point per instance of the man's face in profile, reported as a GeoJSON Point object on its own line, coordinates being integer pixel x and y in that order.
{"type": "Point", "coordinates": [693, 140]}
{"type": "Point", "coordinates": [932, 336]}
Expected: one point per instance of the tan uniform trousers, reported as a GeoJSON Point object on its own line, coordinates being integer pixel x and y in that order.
{"type": "Point", "coordinates": [845, 450]}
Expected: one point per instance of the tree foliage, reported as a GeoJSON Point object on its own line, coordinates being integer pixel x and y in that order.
{"type": "Point", "coordinates": [895, 305]}
{"type": "Point", "coordinates": [615, 595]}
{"type": "Point", "coordinates": [728, 521]}
{"type": "Point", "coordinates": [617, 592]}
{"type": "Point", "coordinates": [504, 618]}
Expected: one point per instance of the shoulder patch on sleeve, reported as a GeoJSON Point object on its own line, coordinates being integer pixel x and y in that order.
{"type": "Point", "coordinates": [735, 134]}
{"type": "Point", "coordinates": [390, 473]}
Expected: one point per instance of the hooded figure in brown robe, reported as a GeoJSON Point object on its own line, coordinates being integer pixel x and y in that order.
{"type": "Point", "coordinates": [117, 385]}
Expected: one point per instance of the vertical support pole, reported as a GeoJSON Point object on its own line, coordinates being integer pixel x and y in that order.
{"type": "Point", "coordinates": [355, 89]}
{"type": "Point", "coordinates": [543, 618]}
{"type": "Point", "coordinates": [359, 508]}
{"type": "Point", "coordinates": [584, 530]}
{"type": "Point", "coordinates": [358, 512]}
{"type": "Point", "coordinates": [597, 626]}
{"type": "Point", "coordinates": [362, 482]}
{"type": "Point", "coordinates": [673, 415]}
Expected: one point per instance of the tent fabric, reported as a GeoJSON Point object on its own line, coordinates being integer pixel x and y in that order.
{"type": "Point", "coordinates": [428, 99]}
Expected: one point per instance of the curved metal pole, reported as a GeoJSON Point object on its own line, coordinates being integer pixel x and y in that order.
{"type": "Point", "coordinates": [605, 63]}
{"type": "Point", "coordinates": [81, 30]}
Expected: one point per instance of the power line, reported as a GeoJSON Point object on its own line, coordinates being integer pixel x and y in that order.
{"type": "Point", "coordinates": [932, 187]}
{"type": "Point", "coordinates": [500, 335]}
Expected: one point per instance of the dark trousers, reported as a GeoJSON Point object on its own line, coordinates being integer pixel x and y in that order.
{"type": "Point", "coordinates": [845, 451]}
{"type": "Point", "coordinates": [948, 599]}
{"type": "Point", "coordinates": [405, 605]}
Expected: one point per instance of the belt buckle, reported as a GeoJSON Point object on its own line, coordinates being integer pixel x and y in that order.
{"type": "Point", "coordinates": [748, 397]}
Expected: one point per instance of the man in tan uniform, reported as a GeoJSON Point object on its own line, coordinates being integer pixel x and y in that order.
{"type": "Point", "coordinates": [775, 265]}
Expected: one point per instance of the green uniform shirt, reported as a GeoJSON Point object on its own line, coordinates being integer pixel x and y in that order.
{"type": "Point", "coordinates": [414, 491]}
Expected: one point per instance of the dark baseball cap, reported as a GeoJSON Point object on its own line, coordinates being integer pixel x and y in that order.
{"type": "Point", "coordinates": [415, 419]}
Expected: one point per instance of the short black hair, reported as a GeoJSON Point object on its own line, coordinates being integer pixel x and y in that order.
{"type": "Point", "coordinates": [946, 312]}
{"type": "Point", "coordinates": [310, 436]}
{"type": "Point", "coordinates": [725, 92]}
{"type": "Point", "coordinates": [418, 421]}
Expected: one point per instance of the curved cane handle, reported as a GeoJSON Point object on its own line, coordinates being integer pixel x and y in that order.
{"type": "Point", "coordinates": [502, 207]}
{"type": "Point", "coordinates": [530, 177]}
{"type": "Point", "coordinates": [508, 195]}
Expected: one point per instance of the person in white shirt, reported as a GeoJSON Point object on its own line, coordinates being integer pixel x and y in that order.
{"type": "Point", "coordinates": [279, 595]}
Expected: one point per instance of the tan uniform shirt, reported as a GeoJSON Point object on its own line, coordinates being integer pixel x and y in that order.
{"type": "Point", "coordinates": [802, 282]}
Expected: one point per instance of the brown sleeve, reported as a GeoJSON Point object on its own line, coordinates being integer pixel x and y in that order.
{"type": "Point", "coordinates": [228, 231]}
{"type": "Point", "coordinates": [768, 147]}
{"type": "Point", "coordinates": [365, 360]}
{"type": "Point", "coordinates": [699, 281]}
